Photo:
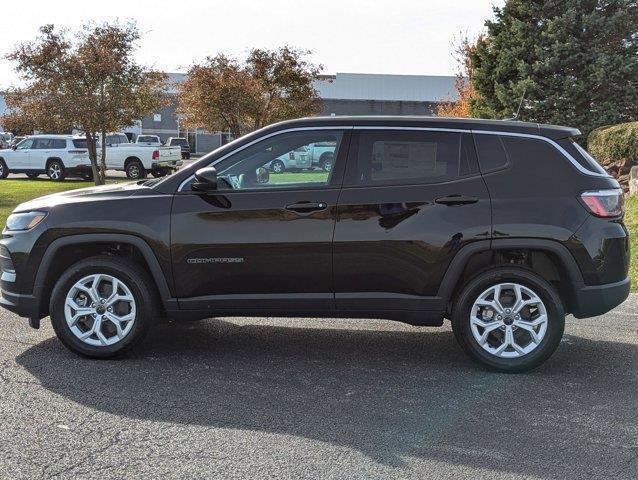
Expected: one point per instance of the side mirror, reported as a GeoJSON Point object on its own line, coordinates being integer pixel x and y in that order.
{"type": "Point", "coordinates": [13, 147]}
{"type": "Point", "coordinates": [205, 180]}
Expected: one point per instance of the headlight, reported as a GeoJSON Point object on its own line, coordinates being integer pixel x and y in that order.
{"type": "Point", "coordinates": [24, 221]}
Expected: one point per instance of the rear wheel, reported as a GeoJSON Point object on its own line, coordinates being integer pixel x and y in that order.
{"type": "Point", "coordinates": [160, 172]}
{"type": "Point", "coordinates": [278, 166]}
{"type": "Point", "coordinates": [509, 319]}
{"type": "Point", "coordinates": [55, 170]}
{"type": "Point", "coordinates": [326, 161]}
{"type": "Point", "coordinates": [101, 306]}
{"type": "Point", "coordinates": [135, 170]}
{"type": "Point", "coordinates": [4, 171]}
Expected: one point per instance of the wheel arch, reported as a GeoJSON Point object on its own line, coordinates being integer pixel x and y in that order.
{"type": "Point", "coordinates": [479, 256]}
{"type": "Point", "coordinates": [55, 260]}
{"type": "Point", "coordinates": [52, 159]}
{"type": "Point", "coordinates": [130, 159]}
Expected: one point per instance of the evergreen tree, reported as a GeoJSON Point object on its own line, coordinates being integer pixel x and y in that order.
{"type": "Point", "coordinates": [577, 61]}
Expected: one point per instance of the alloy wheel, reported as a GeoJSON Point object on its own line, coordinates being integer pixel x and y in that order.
{"type": "Point", "coordinates": [100, 310]}
{"type": "Point", "coordinates": [508, 320]}
{"type": "Point", "coordinates": [55, 171]}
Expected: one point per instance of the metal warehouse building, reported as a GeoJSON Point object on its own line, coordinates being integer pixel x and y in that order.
{"type": "Point", "coordinates": [342, 94]}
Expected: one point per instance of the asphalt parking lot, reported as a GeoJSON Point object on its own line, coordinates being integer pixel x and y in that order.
{"type": "Point", "coordinates": [275, 398]}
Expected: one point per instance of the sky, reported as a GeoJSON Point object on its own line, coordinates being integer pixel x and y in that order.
{"type": "Point", "coordinates": [409, 37]}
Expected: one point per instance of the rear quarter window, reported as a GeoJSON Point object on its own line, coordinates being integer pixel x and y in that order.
{"type": "Point", "coordinates": [582, 157]}
{"type": "Point", "coordinates": [491, 152]}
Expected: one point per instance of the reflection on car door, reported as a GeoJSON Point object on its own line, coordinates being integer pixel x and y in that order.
{"type": "Point", "coordinates": [411, 200]}
{"type": "Point", "coordinates": [263, 246]}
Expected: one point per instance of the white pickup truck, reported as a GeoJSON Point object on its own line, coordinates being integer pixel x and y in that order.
{"type": "Point", "coordinates": [138, 160]}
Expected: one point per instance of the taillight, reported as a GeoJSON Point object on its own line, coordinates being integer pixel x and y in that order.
{"type": "Point", "coordinates": [155, 154]}
{"type": "Point", "coordinates": [604, 203]}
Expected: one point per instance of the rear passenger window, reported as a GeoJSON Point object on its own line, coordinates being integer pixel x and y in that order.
{"type": "Point", "coordinates": [491, 152]}
{"type": "Point", "coordinates": [58, 143]}
{"type": "Point", "coordinates": [390, 157]}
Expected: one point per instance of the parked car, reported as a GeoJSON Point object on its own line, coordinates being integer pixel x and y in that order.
{"type": "Point", "coordinates": [139, 160]}
{"type": "Point", "coordinates": [322, 154]}
{"type": "Point", "coordinates": [501, 227]}
{"type": "Point", "coordinates": [297, 159]}
{"type": "Point", "coordinates": [148, 140]}
{"type": "Point", "coordinates": [182, 143]}
{"type": "Point", "coordinates": [58, 156]}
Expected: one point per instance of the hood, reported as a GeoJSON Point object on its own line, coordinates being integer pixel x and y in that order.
{"type": "Point", "coordinates": [90, 194]}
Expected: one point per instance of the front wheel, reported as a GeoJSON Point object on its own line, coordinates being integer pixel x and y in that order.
{"type": "Point", "coordinates": [509, 319]}
{"type": "Point", "coordinates": [100, 307]}
{"type": "Point", "coordinates": [55, 171]}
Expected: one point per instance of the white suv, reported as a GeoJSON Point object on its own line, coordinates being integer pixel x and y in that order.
{"type": "Point", "coordinates": [56, 155]}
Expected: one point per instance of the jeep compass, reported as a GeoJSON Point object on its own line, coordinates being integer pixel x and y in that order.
{"type": "Point", "coordinates": [501, 227]}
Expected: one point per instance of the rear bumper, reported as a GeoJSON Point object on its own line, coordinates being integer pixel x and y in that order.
{"type": "Point", "coordinates": [594, 300]}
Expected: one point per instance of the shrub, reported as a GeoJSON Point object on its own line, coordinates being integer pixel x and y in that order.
{"type": "Point", "coordinates": [616, 148]}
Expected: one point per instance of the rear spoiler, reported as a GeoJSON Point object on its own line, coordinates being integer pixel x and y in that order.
{"type": "Point", "coordinates": [556, 132]}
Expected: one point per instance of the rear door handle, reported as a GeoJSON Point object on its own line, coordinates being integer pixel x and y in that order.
{"type": "Point", "coordinates": [453, 200]}
{"type": "Point", "coordinates": [307, 207]}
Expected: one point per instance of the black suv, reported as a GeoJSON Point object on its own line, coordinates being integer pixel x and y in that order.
{"type": "Point", "coordinates": [502, 227]}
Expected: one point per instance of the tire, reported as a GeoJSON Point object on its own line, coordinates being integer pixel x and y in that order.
{"type": "Point", "coordinates": [159, 173]}
{"type": "Point", "coordinates": [33, 175]}
{"type": "Point", "coordinates": [135, 170]}
{"type": "Point", "coordinates": [87, 177]}
{"type": "Point", "coordinates": [326, 161]}
{"type": "Point", "coordinates": [4, 170]}
{"type": "Point", "coordinates": [134, 281]}
{"type": "Point", "coordinates": [278, 166]}
{"type": "Point", "coordinates": [55, 171]}
{"type": "Point", "coordinates": [528, 350]}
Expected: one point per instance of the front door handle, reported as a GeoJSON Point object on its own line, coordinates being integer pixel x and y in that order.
{"type": "Point", "coordinates": [307, 207]}
{"type": "Point", "coordinates": [452, 200]}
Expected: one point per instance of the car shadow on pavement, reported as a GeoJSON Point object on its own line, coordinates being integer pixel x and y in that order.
{"type": "Point", "coordinates": [391, 394]}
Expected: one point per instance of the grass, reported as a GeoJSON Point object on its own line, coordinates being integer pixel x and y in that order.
{"type": "Point", "coordinates": [13, 192]}
{"type": "Point", "coordinates": [631, 221]}
{"type": "Point", "coordinates": [16, 191]}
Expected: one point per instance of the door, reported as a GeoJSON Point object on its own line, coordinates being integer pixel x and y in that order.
{"type": "Point", "coordinates": [40, 152]}
{"type": "Point", "coordinates": [20, 158]}
{"type": "Point", "coordinates": [411, 199]}
{"type": "Point", "coordinates": [263, 241]}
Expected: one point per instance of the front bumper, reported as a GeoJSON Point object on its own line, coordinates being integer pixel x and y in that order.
{"type": "Point", "coordinates": [21, 305]}
{"type": "Point", "coordinates": [594, 300]}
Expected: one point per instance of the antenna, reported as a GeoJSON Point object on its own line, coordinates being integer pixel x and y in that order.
{"type": "Point", "coordinates": [520, 104]}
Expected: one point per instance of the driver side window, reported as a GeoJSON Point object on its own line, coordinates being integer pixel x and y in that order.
{"type": "Point", "coordinates": [25, 144]}
{"type": "Point", "coordinates": [302, 159]}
